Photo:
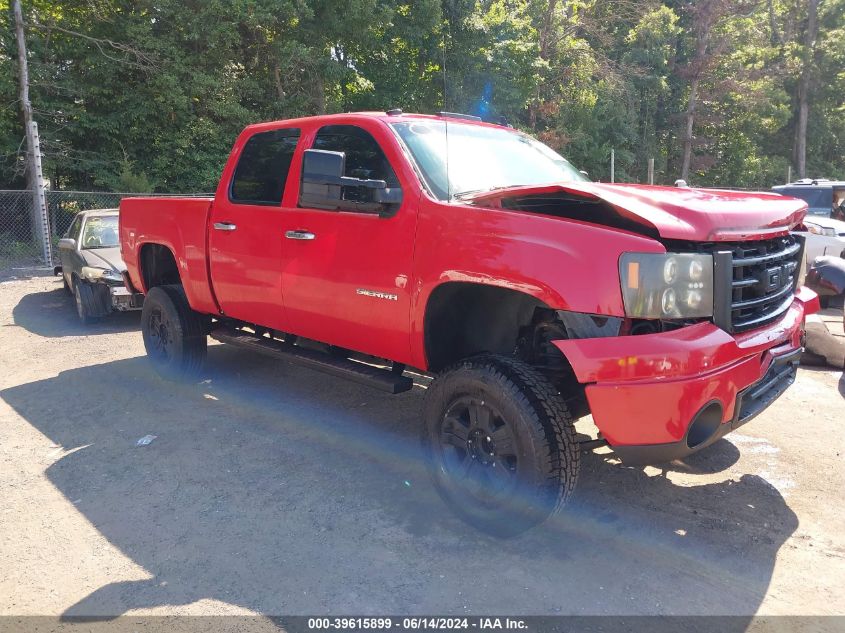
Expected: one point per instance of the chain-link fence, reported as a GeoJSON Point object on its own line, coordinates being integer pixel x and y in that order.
{"type": "Point", "coordinates": [19, 243]}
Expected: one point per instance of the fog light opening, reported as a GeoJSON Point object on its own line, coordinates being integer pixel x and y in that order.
{"type": "Point", "coordinates": [704, 425]}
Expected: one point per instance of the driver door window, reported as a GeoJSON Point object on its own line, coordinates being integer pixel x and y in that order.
{"type": "Point", "coordinates": [364, 157]}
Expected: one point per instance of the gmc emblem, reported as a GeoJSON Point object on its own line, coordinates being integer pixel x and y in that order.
{"type": "Point", "coordinates": [774, 278]}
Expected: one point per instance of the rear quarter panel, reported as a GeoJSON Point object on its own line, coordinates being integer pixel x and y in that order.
{"type": "Point", "coordinates": [180, 224]}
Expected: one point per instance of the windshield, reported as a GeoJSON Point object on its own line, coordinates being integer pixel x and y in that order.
{"type": "Point", "coordinates": [480, 158]}
{"type": "Point", "coordinates": [100, 232]}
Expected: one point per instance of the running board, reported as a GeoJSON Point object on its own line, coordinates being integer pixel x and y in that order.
{"type": "Point", "coordinates": [383, 379]}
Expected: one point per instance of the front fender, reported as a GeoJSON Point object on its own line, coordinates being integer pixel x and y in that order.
{"type": "Point", "coordinates": [565, 264]}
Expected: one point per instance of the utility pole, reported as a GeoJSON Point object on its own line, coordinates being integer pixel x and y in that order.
{"type": "Point", "coordinates": [804, 83]}
{"type": "Point", "coordinates": [651, 171]}
{"type": "Point", "coordinates": [40, 222]}
{"type": "Point", "coordinates": [613, 165]}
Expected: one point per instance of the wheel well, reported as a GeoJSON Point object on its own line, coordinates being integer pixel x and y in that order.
{"type": "Point", "coordinates": [158, 266]}
{"type": "Point", "coordinates": [462, 319]}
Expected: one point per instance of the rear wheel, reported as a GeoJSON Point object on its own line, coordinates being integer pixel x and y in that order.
{"type": "Point", "coordinates": [500, 443]}
{"type": "Point", "coordinates": [175, 336]}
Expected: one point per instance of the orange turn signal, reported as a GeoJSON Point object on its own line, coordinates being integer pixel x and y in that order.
{"type": "Point", "coordinates": [634, 275]}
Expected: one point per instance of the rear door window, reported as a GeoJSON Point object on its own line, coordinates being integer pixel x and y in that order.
{"type": "Point", "coordinates": [263, 167]}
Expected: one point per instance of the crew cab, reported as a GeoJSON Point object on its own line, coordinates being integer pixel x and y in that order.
{"type": "Point", "coordinates": [366, 244]}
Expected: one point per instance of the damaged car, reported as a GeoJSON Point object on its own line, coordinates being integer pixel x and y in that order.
{"type": "Point", "coordinates": [92, 268]}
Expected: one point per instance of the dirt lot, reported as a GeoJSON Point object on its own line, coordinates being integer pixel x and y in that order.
{"type": "Point", "coordinates": [273, 489]}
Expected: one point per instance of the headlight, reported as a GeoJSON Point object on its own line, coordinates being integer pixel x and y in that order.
{"type": "Point", "coordinates": [816, 229]}
{"type": "Point", "coordinates": [670, 286]}
{"type": "Point", "coordinates": [93, 274]}
{"type": "Point", "coordinates": [112, 275]}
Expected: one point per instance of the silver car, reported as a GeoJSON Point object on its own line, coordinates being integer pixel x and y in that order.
{"type": "Point", "coordinates": [825, 236]}
{"type": "Point", "coordinates": [92, 268]}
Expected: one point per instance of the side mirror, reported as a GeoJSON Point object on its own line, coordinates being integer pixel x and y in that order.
{"type": "Point", "coordinates": [322, 172]}
{"type": "Point", "coordinates": [68, 243]}
{"type": "Point", "coordinates": [323, 183]}
{"type": "Point", "coordinates": [388, 195]}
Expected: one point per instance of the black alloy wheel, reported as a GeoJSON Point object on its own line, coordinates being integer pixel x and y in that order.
{"type": "Point", "coordinates": [500, 444]}
{"type": "Point", "coordinates": [175, 336]}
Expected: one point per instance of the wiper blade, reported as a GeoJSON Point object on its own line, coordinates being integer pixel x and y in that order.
{"type": "Point", "coordinates": [464, 194]}
{"type": "Point", "coordinates": [471, 192]}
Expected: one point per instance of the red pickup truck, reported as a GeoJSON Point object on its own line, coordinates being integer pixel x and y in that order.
{"type": "Point", "coordinates": [364, 244]}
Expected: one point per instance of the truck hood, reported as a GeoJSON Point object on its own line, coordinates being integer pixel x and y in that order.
{"type": "Point", "coordinates": [681, 213]}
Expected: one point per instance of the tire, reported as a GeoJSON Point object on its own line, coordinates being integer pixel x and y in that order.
{"type": "Point", "coordinates": [824, 301]}
{"type": "Point", "coordinates": [86, 307]}
{"type": "Point", "coordinates": [490, 412]}
{"type": "Point", "coordinates": [175, 336]}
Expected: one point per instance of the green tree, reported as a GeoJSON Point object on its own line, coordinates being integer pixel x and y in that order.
{"type": "Point", "coordinates": [151, 95]}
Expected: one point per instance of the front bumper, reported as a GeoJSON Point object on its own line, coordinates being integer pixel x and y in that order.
{"type": "Point", "coordinates": [659, 397]}
{"type": "Point", "coordinates": [123, 300]}
{"type": "Point", "coordinates": [109, 298]}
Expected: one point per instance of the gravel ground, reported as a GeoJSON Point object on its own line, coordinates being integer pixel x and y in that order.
{"type": "Point", "coordinates": [273, 489]}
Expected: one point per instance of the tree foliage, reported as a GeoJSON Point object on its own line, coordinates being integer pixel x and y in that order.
{"type": "Point", "coordinates": [150, 94]}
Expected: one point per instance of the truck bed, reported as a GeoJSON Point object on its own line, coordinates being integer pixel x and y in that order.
{"type": "Point", "coordinates": [179, 224]}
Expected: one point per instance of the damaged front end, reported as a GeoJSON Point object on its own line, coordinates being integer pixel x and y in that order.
{"type": "Point", "coordinates": [108, 292]}
{"type": "Point", "coordinates": [713, 326]}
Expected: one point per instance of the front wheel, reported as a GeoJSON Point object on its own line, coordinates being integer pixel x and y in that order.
{"type": "Point", "coordinates": [175, 336]}
{"type": "Point", "coordinates": [500, 443]}
{"type": "Point", "coordinates": [83, 296]}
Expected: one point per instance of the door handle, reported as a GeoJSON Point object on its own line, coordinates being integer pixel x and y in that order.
{"type": "Point", "coordinates": [299, 235]}
{"type": "Point", "coordinates": [225, 226]}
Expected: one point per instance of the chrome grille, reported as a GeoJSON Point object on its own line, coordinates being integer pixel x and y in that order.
{"type": "Point", "coordinates": [755, 281]}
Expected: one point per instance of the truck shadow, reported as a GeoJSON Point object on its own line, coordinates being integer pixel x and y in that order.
{"type": "Point", "coordinates": [284, 491]}
{"type": "Point", "coordinates": [52, 314]}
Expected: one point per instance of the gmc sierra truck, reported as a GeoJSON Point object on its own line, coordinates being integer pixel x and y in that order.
{"type": "Point", "coordinates": [364, 244]}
